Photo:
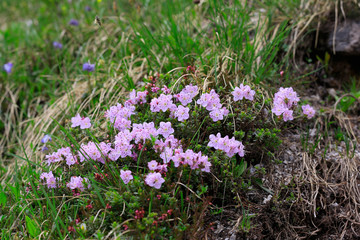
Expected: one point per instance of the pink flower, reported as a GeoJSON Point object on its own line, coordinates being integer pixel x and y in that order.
{"type": "Point", "coordinates": [189, 156]}
{"type": "Point", "coordinates": [154, 180]}
{"type": "Point", "coordinates": [154, 105]}
{"type": "Point", "coordinates": [50, 179]}
{"type": "Point", "coordinates": [141, 132]}
{"type": "Point", "coordinates": [78, 183]}
{"type": "Point", "coordinates": [126, 176]}
{"type": "Point", "coordinates": [165, 129]}
{"type": "Point", "coordinates": [178, 156]}
{"type": "Point", "coordinates": [71, 160]}
{"type": "Point", "coordinates": [162, 168]}
{"type": "Point", "coordinates": [139, 97]}
{"type": "Point", "coordinates": [308, 111]}
{"type": "Point", "coordinates": [155, 89]}
{"type": "Point", "coordinates": [229, 146]}
{"type": "Point", "coordinates": [287, 115]}
{"type": "Point", "coordinates": [216, 115]}
{"type": "Point", "coordinates": [114, 155]}
{"type": "Point", "coordinates": [85, 123]}
{"type": "Point", "coordinates": [182, 113]}
{"type": "Point", "coordinates": [243, 92]}
{"type": "Point", "coordinates": [204, 163]}
{"type": "Point", "coordinates": [119, 111]}
{"type": "Point", "coordinates": [284, 100]}
{"type": "Point", "coordinates": [210, 100]}
{"type": "Point", "coordinates": [184, 98]}
{"type": "Point", "coordinates": [166, 90]}
{"type": "Point", "coordinates": [152, 165]}
{"type": "Point", "coordinates": [278, 110]}
{"type": "Point", "coordinates": [204, 99]}
{"type": "Point", "coordinates": [122, 124]}
{"type": "Point", "coordinates": [214, 141]}
{"type": "Point", "coordinates": [167, 154]}
{"type": "Point", "coordinates": [165, 102]}
{"type": "Point", "coordinates": [191, 90]}
{"type": "Point", "coordinates": [224, 144]}
{"type": "Point", "coordinates": [76, 121]}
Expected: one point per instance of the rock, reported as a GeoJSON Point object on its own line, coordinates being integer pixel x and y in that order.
{"type": "Point", "coordinates": [347, 38]}
{"type": "Point", "coordinates": [219, 229]}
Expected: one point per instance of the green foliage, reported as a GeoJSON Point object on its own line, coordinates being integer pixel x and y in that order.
{"type": "Point", "coordinates": [32, 227]}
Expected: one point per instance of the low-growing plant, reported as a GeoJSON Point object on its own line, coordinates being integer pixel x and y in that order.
{"type": "Point", "coordinates": [155, 164]}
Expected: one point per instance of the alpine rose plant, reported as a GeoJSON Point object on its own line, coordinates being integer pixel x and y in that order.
{"type": "Point", "coordinates": [285, 99]}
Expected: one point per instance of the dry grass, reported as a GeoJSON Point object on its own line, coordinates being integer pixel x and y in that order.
{"type": "Point", "coordinates": [333, 184]}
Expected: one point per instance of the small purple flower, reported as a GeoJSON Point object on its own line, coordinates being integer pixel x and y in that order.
{"type": "Point", "coordinates": [216, 115]}
{"type": "Point", "coordinates": [87, 8]}
{"type": "Point", "coordinates": [85, 123]}
{"type": "Point", "coordinates": [7, 67]}
{"type": "Point", "coordinates": [287, 115]}
{"type": "Point", "coordinates": [165, 129]}
{"type": "Point", "coordinates": [243, 92]}
{"type": "Point", "coordinates": [126, 176]}
{"type": "Point", "coordinates": [182, 113]}
{"type": "Point", "coordinates": [78, 183]}
{"type": "Point", "coordinates": [152, 165]}
{"type": "Point", "coordinates": [57, 45]}
{"type": "Point", "coordinates": [44, 149]}
{"type": "Point", "coordinates": [155, 89]}
{"type": "Point", "coordinates": [76, 121]}
{"type": "Point", "coordinates": [88, 67]}
{"type": "Point", "coordinates": [74, 22]}
{"type": "Point", "coordinates": [154, 180]}
{"type": "Point", "coordinates": [50, 179]}
{"type": "Point", "coordinates": [308, 111]}
{"type": "Point", "coordinates": [46, 139]}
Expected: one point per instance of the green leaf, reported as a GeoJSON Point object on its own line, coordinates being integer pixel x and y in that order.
{"type": "Point", "coordinates": [239, 169]}
{"type": "Point", "coordinates": [32, 227]}
{"type": "Point", "coordinates": [2, 198]}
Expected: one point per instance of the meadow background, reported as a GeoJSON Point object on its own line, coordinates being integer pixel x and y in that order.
{"type": "Point", "coordinates": [298, 179]}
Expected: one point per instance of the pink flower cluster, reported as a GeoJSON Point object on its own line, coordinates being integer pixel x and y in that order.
{"type": "Point", "coordinates": [60, 155]}
{"type": "Point", "coordinates": [187, 94]}
{"type": "Point", "coordinates": [141, 132]}
{"type": "Point", "coordinates": [139, 97]}
{"type": "Point", "coordinates": [123, 146]}
{"type": "Point", "coordinates": [211, 101]}
{"type": "Point", "coordinates": [308, 111]}
{"type": "Point", "coordinates": [196, 160]}
{"type": "Point", "coordinates": [284, 100]}
{"type": "Point", "coordinates": [120, 115]}
{"type": "Point", "coordinates": [172, 151]}
{"type": "Point", "coordinates": [243, 92]}
{"type": "Point", "coordinates": [83, 122]}
{"type": "Point", "coordinates": [94, 151]}
{"type": "Point", "coordinates": [229, 146]}
{"type": "Point", "coordinates": [78, 183]}
{"type": "Point", "coordinates": [155, 166]}
{"type": "Point", "coordinates": [162, 103]}
{"type": "Point", "coordinates": [50, 179]}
